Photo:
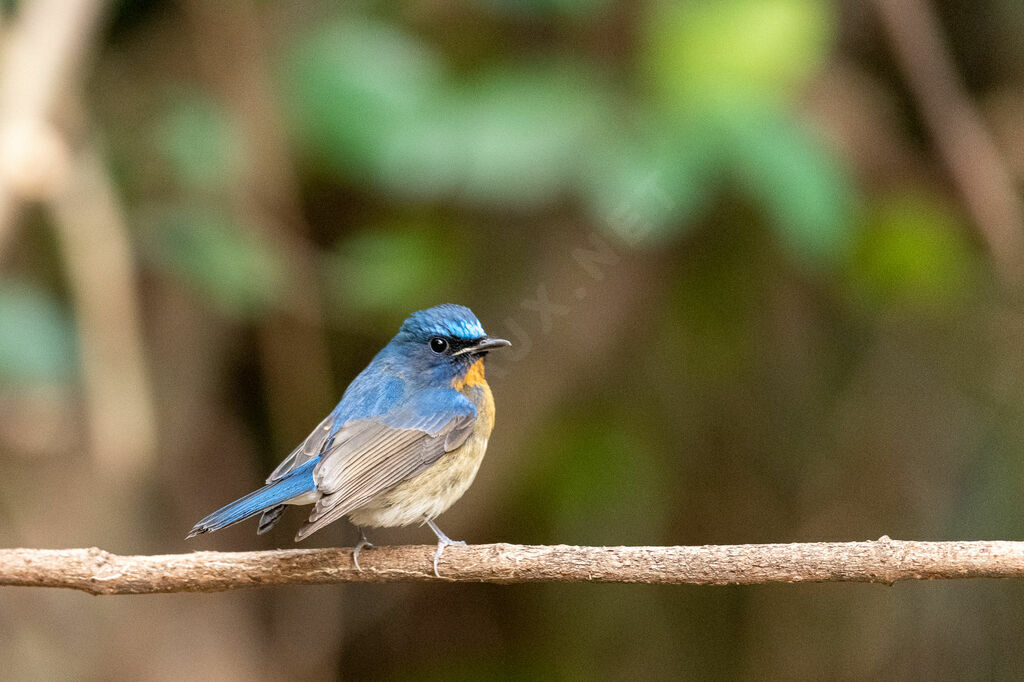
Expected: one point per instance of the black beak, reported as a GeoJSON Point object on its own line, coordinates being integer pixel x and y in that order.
{"type": "Point", "coordinates": [483, 345]}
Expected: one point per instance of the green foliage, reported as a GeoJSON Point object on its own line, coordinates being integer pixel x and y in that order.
{"type": "Point", "coordinates": [519, 133]}
{"type": "Point", "coordinates": [199, 144]}
{"type": "Point", "coordinates": [649, 186]}
{"type": "Point", "coordinates": [558, 8]}
{"type": "Point", "coordinates": [368, 99]}
{"type": "Point", "coordinates": [378, 106]}
{"type": "Point", "coordinates": [217, 258]}
{"type": "Point", "coordinates": [394, 269]}
{"type": "Point", "coordinates": [784, 166]}
{"type": "Point", "coordinates": [353, 85]}
{"type": "Point", "coordinates": [734, 50]}
{"type": "Point", "coordinates": [912, 252]}
{"type": "Point", "coordinates": [36, 336]}
{"type": "Point", "coordinates": [726, 71]}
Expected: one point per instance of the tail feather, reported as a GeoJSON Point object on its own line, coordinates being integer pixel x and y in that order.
{"type": "Point", "coordinates": [268, 498]}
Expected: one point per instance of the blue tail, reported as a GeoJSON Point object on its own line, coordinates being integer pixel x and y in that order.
{"type": "Point", "coordinates": [271, 495]}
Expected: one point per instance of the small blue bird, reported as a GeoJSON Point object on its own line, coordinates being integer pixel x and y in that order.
{"type": "Point", "coordinates": [401, 447]}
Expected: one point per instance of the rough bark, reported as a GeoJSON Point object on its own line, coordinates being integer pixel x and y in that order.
{"type": "Point", "coordinates": [881, 561]}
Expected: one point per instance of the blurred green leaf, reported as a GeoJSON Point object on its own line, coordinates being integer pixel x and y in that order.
{"type": "Point", "coordinates": [217, 258]}
{"type": "Point", "coordinates": [912, 250]}
{"type": "Point", "coordinates": [509, 135]}
{"type": "Point", "coordinates": [782, 163]}
{"type": "Point", "coordinates": [199, 142]}
{"type": "Point", "coordinates": [566, 8]}
{"type": "Point", "coordinates": [352, 86]}
{"type": "Point", "coordinates": [36, 336]}
{"type": "Point", "coordinates": [376, 104]}
{"type": "Point", "coordinates": [731, 49]}
{"type": "Point", "coordinates": [725, 70]}
{"type": "Point", "coordinates": [392, 269]}
{"type": "Point", "coordinates": [528, 129]}
{"type": "Point", "coordinates": [650, 186]}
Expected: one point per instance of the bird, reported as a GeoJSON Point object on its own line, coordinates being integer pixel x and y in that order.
{"type": "Point", "coordinates": [401, 447]}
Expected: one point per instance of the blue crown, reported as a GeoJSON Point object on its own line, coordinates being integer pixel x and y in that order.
{"type": "Point", "coordinates": [447, 319]}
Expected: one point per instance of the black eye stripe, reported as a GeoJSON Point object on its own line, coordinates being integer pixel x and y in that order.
{"type": "Point", "coordinates": [442, 344]}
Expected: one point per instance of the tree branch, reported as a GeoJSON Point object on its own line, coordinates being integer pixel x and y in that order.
{"type": "Point", "coordinates": [882, 561]}
{"type": "Point", "coordinates": [958, 131]}
{"type": "Point", "coordinates": [45, 49]}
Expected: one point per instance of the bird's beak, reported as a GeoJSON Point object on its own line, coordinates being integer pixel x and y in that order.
{"type": "Point", "coordinates": [483, 345]}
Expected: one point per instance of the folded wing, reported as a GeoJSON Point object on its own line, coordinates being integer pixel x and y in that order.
{"type": "Point", "coordinates": [368, 456]}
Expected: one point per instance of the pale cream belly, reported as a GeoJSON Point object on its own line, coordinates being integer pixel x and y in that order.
{"type": "Point", "coordinates": [430, 493]}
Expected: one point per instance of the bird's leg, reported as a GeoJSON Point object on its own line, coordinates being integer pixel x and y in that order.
{"type": "Point", "coordinates": [363, 542]}
{"type": "Point", "coordinates": [442, 542]}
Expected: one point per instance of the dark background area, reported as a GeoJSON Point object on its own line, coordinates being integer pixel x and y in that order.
{"type": "Point", "coordinates": [759, 260]}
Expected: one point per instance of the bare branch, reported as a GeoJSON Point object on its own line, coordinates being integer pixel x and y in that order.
{"type": "Point", "coordinates": [883, 561]}
{"type": "Point", "coordinates": [44, 51]}
{"type": "Point", "coordinates": [958, 131]}
{"type": "Point", "coordinates": [101, 268]}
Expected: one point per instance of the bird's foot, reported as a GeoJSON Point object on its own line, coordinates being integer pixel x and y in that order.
{"type": "Point", "coordinates": [363, 542]}
{"type": "Point", "coordinates": [442, 542]}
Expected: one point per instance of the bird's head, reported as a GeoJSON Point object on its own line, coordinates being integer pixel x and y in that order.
{"type": "Point", "coordinates": [444, 341]}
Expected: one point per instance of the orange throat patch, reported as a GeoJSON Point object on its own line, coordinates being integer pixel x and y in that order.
{"type": "Point", "coordinates": [474, 376]}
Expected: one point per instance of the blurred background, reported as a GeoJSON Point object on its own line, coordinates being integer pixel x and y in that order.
{"type": "Point", "coordinates": [760, 261]}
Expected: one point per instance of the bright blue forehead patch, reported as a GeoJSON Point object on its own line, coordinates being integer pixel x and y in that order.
{"type": "Point", "coordinates": [446, 319]}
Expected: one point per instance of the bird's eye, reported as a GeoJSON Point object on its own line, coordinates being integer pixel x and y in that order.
{"type": "Point", "coordinates": [438, 345]}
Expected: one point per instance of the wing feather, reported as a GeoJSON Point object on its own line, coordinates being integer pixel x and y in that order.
{"type": "Point", "coordinates": [369, 456]}
{"type": "Point", "coordinates": [310, 448]}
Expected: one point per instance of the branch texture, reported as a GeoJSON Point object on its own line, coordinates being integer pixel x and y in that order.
{"type": "Point", "coordinates": [882, 561]}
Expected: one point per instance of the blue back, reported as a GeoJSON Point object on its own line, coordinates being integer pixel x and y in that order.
{"type": "Point", "coordinates": [406, 366]}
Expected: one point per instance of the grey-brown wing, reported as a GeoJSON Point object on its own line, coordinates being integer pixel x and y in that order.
{"type": "Point", "coordinates": [369, 457]}
{"type": "Point", "coordinates": [309, 449]}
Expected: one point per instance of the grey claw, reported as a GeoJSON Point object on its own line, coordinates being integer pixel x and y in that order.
{"type": "Point", "coordinates": [442, 542]}
{"type": "Point", "coordinates": [363, 542]}
{"type": "Point", "coordinates": [437, 555]}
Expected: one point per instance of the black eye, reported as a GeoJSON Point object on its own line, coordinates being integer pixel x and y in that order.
{"type": "Point", "coordinates": [438, 345]}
